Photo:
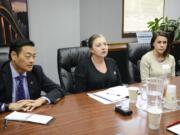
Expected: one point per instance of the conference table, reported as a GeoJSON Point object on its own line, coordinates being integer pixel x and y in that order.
{"type": "Point", "coordinates": [78, 114]}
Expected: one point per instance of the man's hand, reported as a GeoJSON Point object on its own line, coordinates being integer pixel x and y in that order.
{"type": "Point", "coordinates": [19, 106]}
{"type": "Point", "coordinates": [34, 104]}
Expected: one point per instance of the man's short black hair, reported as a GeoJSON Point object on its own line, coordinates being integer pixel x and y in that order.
{"type": "Point", "coordinates": [18, 44]}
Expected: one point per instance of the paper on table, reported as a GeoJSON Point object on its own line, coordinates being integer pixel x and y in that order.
{"type": "Point", "coordinates": [99, 99]}
{"type": "Point", "coordinates": [29, 117]}
{"type": "Point", "coordinates": [175, 129]}
{"type": "Point", "coordinates": [111, 95]}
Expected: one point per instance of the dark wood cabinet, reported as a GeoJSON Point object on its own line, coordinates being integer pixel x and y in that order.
{"type": "Point", "coordinates": [119, 54]}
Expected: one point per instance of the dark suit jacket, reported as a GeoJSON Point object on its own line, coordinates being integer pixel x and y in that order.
{"type": "Point", "coordinates": [37, 82]}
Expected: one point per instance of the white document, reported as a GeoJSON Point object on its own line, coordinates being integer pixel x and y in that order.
{"type": "Point", "coordinates": [111, 95]}
{"type": "Point", "coordinates": [99, 99]}
{"type": "Point", "coordinates": [29, 117]}
{"type": "Point", "coordinates": [144, 37]}
{"type": "Point", "coordinates": [175, 129]}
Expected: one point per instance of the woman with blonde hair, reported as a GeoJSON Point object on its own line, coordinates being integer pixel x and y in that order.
{"type": "Point", "coordinates": [96, 71]}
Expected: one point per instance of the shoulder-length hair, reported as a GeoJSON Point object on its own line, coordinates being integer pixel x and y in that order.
{"type": "Point", "coordinates": [164, 34]}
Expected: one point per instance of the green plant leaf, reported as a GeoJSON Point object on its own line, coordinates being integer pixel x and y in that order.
{"type": "Point", "coordinates": [165, 24]}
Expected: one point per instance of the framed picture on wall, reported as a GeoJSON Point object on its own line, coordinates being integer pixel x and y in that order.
{"type": "Point", "coordinates": [13, 21]}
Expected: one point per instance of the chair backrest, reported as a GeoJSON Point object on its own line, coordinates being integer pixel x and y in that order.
{"type": "Point", "coordinates": [174, 50]}
{"type": "Point", "coordinates": [121, 58]}
{"type": "Point", "coordinates": [3, 57]}
{"type": "Point", "coordinates": [135, 52]}
{"type": "Point", "coordinates": [67, 60]}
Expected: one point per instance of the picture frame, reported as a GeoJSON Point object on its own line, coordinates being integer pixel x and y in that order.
{"type": "Point", "coordinates": [13, 21]}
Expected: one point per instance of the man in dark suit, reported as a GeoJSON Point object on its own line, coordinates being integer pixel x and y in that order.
{"type": "Point", "coordinates": [25, 94]}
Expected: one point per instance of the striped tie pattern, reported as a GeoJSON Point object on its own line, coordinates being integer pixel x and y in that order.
{"type": "Point", "coordinates": [20, 93]}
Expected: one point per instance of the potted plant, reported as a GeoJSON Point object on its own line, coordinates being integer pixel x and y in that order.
{"type": "Point", "coordinates": [172, 27]}
{"type": "Point", "coordinates": [177, 32]}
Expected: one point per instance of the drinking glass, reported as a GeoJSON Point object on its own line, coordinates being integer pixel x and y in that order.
{"type": "Point", "coordinates": [142, 97]}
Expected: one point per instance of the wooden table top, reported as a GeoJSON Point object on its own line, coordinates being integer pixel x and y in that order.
{"type": "Point", "coordinates": [78, 114]}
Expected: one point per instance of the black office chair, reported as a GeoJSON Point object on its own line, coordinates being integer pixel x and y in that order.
{"type": "Point", "coordinates": [135, 52]}
{"type": "Point", "coordinates": [3, 57]}
{"type": "Point", "coordinates": [67, 60]}
{"type": "Point", "coordinates": [174, 50]}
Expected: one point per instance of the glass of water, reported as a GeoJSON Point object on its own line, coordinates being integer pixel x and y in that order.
{"type": "Point", "coordinates": [142, 97]}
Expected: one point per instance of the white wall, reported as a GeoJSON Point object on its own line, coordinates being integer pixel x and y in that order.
{"type": "Point", "coordinates": [101, 16]}
{"type": "Point", "coordinates": [104, 17]}
{"type": "Point", "coordinates": [53, 24]}
{"type": "Point", "coordinates": [172, 9]}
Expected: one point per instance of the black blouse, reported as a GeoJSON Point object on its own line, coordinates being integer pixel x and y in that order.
{"type": "Point", "coordinates": [87, 77]}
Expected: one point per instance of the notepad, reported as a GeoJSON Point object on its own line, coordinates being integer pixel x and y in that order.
{"type": "Point", "coordinates": [175, 128]}
{"type": "Point", "coordinates": [29, 117]}
{"type": "Point", "coordinates": [110, 95]}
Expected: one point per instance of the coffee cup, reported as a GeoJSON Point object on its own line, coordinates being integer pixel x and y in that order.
{"type": "Point", "coordinates": [133, 92]}
{"type": "Point", "coordinates": [170, 97]}
{"type": "Point", "coordinates": [154, 117]}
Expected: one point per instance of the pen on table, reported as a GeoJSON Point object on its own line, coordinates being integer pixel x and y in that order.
{"type": "Point", "coordinates": [102, 97]}
{"type": "Point", "coordinates": [109, 99]}
{"type": "Point", "coordinates": [126, 97]}
{"type": "Point", "coordinates": [174, 123]}
{"type": "Point", "coordinates": [116, 94]}
{"type": "Point", "coordinates": [112, 94]}
{"type": "Point", "coordinates": [5, 122]}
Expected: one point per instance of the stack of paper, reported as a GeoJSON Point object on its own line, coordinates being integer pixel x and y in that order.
{"type": "Point", "coordinates": [175, 128]}
{"type": "Point", "coordinates": [111, 95]}
{"type": "Point", "coordinates": [29, 117]}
